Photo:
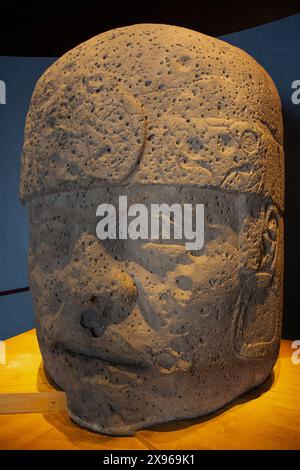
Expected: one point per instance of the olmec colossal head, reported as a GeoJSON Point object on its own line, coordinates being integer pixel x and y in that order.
{"type": "Point", "coordinates": [144, 331]}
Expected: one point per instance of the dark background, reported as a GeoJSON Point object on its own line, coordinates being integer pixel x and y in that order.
{"type": "Point", "coordinates": [50, 29]}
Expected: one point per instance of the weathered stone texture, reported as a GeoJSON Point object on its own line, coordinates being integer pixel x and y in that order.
{"type": "Point", "coordinates": [139, 332]}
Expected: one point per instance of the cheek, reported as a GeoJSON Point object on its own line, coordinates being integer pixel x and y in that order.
{"type": "Point", "coordinates": [52, 254]}
{"type": "Point", "coordinates": [208, 276]}
{"type": "Point", "coordinates": [43, 286]}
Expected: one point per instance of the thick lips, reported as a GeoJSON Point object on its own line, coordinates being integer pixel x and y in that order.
{"type": "Point", "coordinates": [114, 350]}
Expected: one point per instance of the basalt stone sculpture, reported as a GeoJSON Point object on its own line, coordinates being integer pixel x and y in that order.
{"type": "Point", "coordinates": [139, 332]}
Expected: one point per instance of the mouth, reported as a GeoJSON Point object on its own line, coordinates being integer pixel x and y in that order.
{"type": "Point", "coordinates": [113, 348]}
{"type": "Point", "coordinates": [126, 359]}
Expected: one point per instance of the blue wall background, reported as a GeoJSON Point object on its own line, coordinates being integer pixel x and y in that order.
{"type": "Point", "coordinates": [20, 75]}
{"type": "Point", "coordinates": [276, 46]}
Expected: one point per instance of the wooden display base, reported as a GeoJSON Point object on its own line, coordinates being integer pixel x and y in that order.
{"type": "Point", "coordinates": [33, 413]}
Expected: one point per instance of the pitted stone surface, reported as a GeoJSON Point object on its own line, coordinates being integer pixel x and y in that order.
{"type": "Point", "coordinates": [140, 332]}
{"type": "Point", "coordinates": [121, 95]}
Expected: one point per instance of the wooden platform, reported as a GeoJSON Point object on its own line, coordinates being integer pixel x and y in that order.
{"type": "Point", "coordinates": [33, 414]}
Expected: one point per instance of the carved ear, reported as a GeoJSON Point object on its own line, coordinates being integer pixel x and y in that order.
{"type": "Point", "coordinates": [265, 274]}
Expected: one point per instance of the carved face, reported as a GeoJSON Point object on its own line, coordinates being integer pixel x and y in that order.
{"type": "Point", "coordinates": [144, 331]}
{"type": "Point", "coordinates": [147, 310]}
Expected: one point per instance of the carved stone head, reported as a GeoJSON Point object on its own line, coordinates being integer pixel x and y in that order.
{"type": "Point", "coordinates": [142, 331]}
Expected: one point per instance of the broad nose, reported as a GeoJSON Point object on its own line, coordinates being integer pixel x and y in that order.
{"type": "Point", "coordinates": [99, 284]}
